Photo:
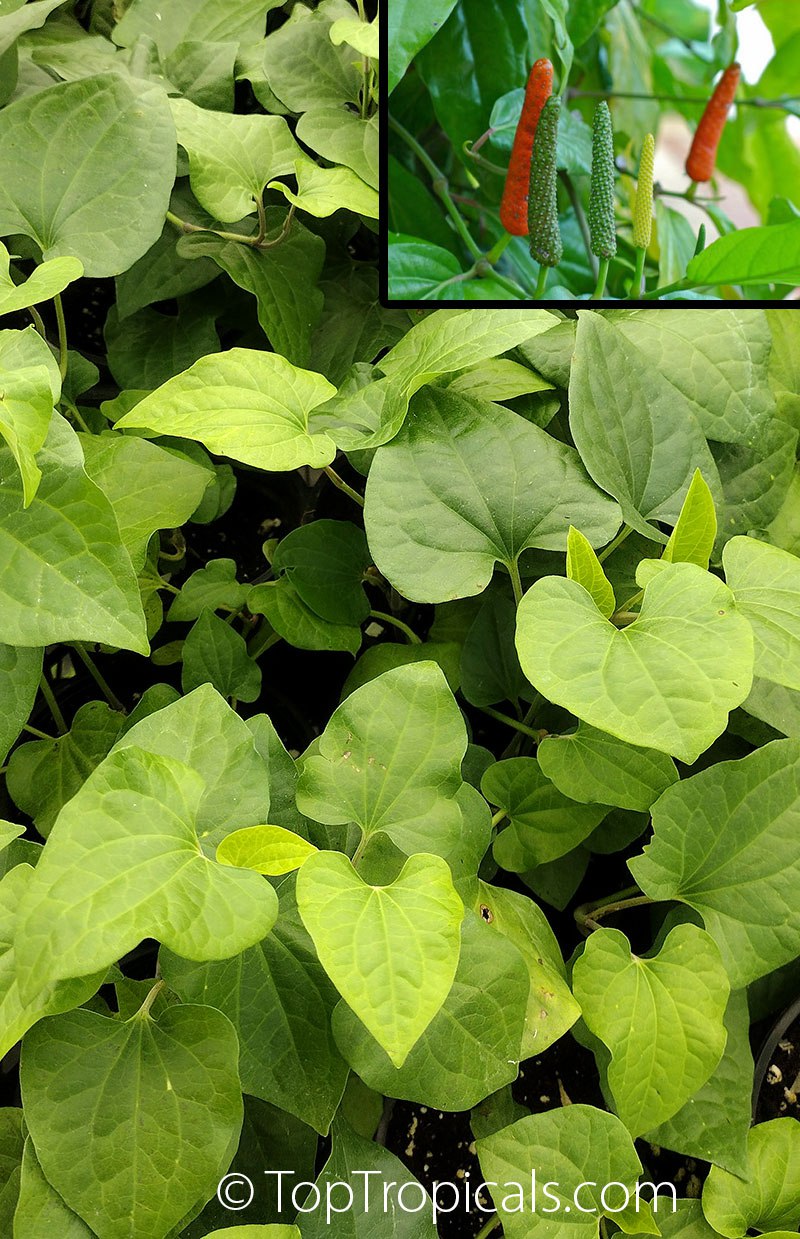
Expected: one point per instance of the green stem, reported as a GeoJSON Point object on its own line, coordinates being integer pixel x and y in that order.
{"type": "Point", "coordinates": [498, 247]}
{"type": "Point", "coordinates": [63, 357]}
{"type": "Point", "coordinates": [627, 94]}
{"type": "Point", "coordinates": [386, 618]}
{"type": "Point", "coordinates": [637, 285]}
{"type": "Point", "coordinates": [262, 220]}
{"type": "Point", "coordinates": [440, 186]}
{"type": "Point", "coordinates": [510, 285]}
{"type": "Point", "coordinates": [263, 642]}
{"type": "Point", "coordinates": [52, 705]}
{"type": "Point", "coordinates": [498, 817]}
{"type": "Point", "coordinates": [541, 282]}
{"type": "Point", "coordinates": [510, 722]}
{"type": "Point", "coordinates": [580, 215]}
{"type": "Point", "coordinates": [38, 321]}
{"type": "Point", "coordinates": [678, 286]}
{"type": "Point", "coordinates": [516, 581]}
{"type": "Point", "coordinates": [602, 276]}
{"type": "Point", "coordinates": [34, 731]}
{"type": "Point", "coordinates": [342, 485]}
{"type": "Point", "coordinates": [491, 1225]}
{"type": "Point", "coordinates": [144, 1010]}
{"type": "Point", "coordinates": [359, 852]}
{"type": "Point", "coordinates": [89, 664]}
{"type": "Point", "coordinates": [185, 226]}
{"type": "Point", "coordinates": [588, 914]}
{"type": "Point", "coordinates": [624, 533]}
{"type": "Point", "coordinates": [691, 192]}
{"type": "Point", "coordinates": [483, 163]}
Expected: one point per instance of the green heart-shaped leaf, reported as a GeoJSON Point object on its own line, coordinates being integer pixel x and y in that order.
{"type": "Point", "coordinates": [62, 195]}
{"type": "Point", "coordinates": [769, 1197]}
{"type": "Point", "coordinates": [123, 863]}
{"type": "Point", "coordinates": [443, 498]}
{"type": "Point", "coordinates": [666, 681]}
{"type": "Point", "coordinates": [391, 951]}
{"type": "Point", "coordinates": [132, 1122]}
{"type": "Point", "coordinates": [661, 1018]}
{"type": "Point", "coordinates": [254, 407]}
{"type": "Point", "coordinates": [267, 849]}
{"type": "Point", "coordinates": [766, 585]}
{"type": "Point", "coordinates": [544, 823]}
{"type": "Point", "coordinates": [738, 866]}
{"type": "Point", "coordinates": [596, 768]}
{"type": "Point", "coordinates": [390, 760]}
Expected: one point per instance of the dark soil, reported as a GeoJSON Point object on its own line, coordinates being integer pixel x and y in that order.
{"type": "Point", "coordinates": [779, 1094]}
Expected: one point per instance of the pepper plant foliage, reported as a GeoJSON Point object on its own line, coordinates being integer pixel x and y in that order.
{"type": "Point", "coordinates": [547, 617]}
{"type": "Point", "coordinates": [457, 75]}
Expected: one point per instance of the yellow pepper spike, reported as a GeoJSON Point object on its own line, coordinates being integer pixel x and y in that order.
{"type": "Point", "coordinates": [643, 207]}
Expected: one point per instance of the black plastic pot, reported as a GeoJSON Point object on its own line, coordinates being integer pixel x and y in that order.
{"type": "Point", "coordinates": [776, 1086]}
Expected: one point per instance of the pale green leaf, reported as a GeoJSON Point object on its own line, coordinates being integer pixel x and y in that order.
{"type": "Point", "coordinates": [472, 1046]}
{"type": "Point", "coordinates": [280, 1000]}
{"type": "Point", "coordinates": [321, 191]}
{"type": "Point", "coordinates": [213, 586]}
{"type": "Point", "coordinates": [215, 653]}
{"type": "Point", "coordinates": [286, 612]}
{"type": "Point", "coordinates": [769, 1197]}
{"type": "Point", "coordinates": [20, 671]}
{"type": "Point", "coordinates": [283, 280]}
{"type": "Point", "coordinates": [661, 1018]}
{"type": "Point", "coordinates": [715, 362]}
{"type": "Point", "coordinates": [766, 585]}
{"type": "Point", "coordinates": [208, 21]}
{"type": "Point", "coordinates": [784, 365]}
{"type": "Point", "coordinates": [595, 767]}
{"type": "Point", "coordinates": [692, 539]}
{"type": "Point", "coordinates": [776, 705]}
{"type": "Point", "coordinates": [132, 1122]}
{"type": "Point", "coordinates": [62, 195]}
{"type": "Point", "coordinates": [231, 158]}
{"type": "Point", "coordinates": [44, 282]}
{"type": "Point", "coordinates": [390, 760]}
{"type": "Point", "coordinates": [412, 24]}
{"type": "Point", "coordinates": [303, 67]}
{"type": "Point", "coordinates": [9, 831]}
{"type": "Point", "coordinates": [552, 1010]}
{"type": "Point", "coordinates": [361, 35]}
{"type": "Point", "coordinates": [569, 1146]}
{"type": "Point", "coordinates": [756, 481]}
{"type": "Point", "coordinates": [637, 437]}
{"type": "Point", "coordinates": [267, 849]}
{"type": "Point", "coordinates": [27, 396]}
{"type": "Point", "coordinates": [498, 378]}
{"type": "Point", "coordinates": [443, 500]}
{"type": "Point", "coordinates": [667, 681]}
{"type": "Point", "coordinates": [64, 573]}
{"type": "Point", "coordinates": [254, 407]}
{"type": "Point", "coordinates": [738, 866]}
{"type": "Point", "coordinates": [21, 17]}
{"type": "Point", "coordinates": [713, 1124]}
{"type": "Point", "coordinates": [41, 1211]}
{"type": "Point", "coordinates": [203, 732]}
{"type": "Point", "coordinates": [123, 863]}
{"type": "Point", "coordinates": [544, 823]}
{"type": "Point", "coordinates": [449, 340]}
{"type": "Point", "coordinates": [17, 1012]}
{"type": "Point", "coordinates": [256, 1232]}
{"type": "Point", "coordinates": [342, 137]}
{"type": "Point", "coordinates": [148, 487]}
{"type": "Point", "coordinates": [391, 951]}
{"type": "Point", "coordinates": [584, 567]}
{"type": "Point", "coordinates": [767, 255]}
{"type": "Point", "coordinates": [44, 774]}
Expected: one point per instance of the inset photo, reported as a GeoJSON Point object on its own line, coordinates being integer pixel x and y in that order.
{"type": "Point", "coordinates": [591, 150]}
